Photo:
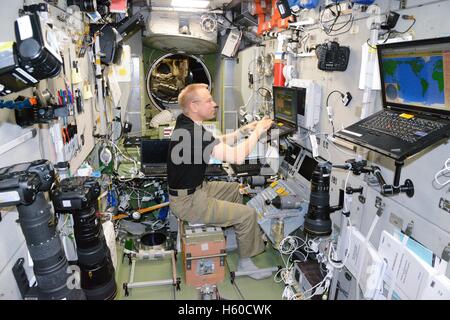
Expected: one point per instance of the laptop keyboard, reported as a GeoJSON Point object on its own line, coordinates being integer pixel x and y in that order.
{"type": "Point", "coordinates": [215, 170]}
{"type": "Point", "coordinates": [246, 168]}
{"type": "Point", "coordinates": [155, 170]}
{"type": "Point", "coordinates": [408, 130]}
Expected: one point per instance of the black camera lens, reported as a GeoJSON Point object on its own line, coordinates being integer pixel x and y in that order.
{"type": "Point", "coordinates": [78, 196]}
{"type": "Point", "coordinates": [50, 263]}
{"type": "Point", "coordinates": [317, 221]}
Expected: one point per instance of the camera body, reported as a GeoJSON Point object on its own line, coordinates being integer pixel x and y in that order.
{"type": "Point", "coordinates": [75, 193]}
{"type": "Point", "coordinates": [37, 47]}
{"type": "Point", "coordinates": [20, 183]}
{"type": "Point", "coordinates": [332, 57]}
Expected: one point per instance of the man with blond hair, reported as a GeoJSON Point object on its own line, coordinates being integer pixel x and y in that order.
{"type": "Point", "coordinates": [216, 203]}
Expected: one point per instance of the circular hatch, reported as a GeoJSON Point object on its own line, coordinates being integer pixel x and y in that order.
{"type": "Point", "coordinates": [169, 74]}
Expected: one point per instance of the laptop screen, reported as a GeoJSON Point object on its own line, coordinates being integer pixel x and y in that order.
{"type": "Point", "coordinates": [415, 75]}
{"type": "Point", "coordinates": [286, 104]}
{"type": "Point", "coordinates": [154, 151]}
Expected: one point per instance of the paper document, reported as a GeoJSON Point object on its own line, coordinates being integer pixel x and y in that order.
{"type": "Point", "coordinates": [87, 92]}
{"type": "Point", "coordinates": [76, 76]}
{"type": "Point", "coordinates": [422, 252]}
{"type": "Point", "coordinates": [406, 274]}
{"type": "Point", "coordinates": [369, 67]}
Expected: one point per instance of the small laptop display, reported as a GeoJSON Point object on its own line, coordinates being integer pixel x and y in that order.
{"type": "Point", "coordinates": [154, 156]}
{"type": "Point", "coordinates": [285, 105]}
{"type": "Point", "coordinates": [415, 84]}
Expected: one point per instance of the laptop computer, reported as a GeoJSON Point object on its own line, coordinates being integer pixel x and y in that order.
{"type": "Point", "coordinates": [154, 157]}
{"type": "Point", "coordinates": [247, 168]}
{"type": "Point", "coordinates": [285, 105]}
{"type": "Point", "coordinates": [130, 142]}
{"type": "Point", "coordinates": [215, 170]}
{"type": "Point", "coordinates": [415, 84]}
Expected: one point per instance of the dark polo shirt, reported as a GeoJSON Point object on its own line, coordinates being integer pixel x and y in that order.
{"type": "Point", "coordinates": [190, 149]}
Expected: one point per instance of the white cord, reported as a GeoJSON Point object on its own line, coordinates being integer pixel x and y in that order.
{"type": "Point", "coordinates": [441, 173]}
{"type": "Point", "coordinates": [139, 174]}
{"type": "Point", "coordinates": [316, 286]}
{"type": "Point", "coordinates": [344, 261]}
{"type": "Point", "coordinates": [372, 227]}
{"type": "Point", "coordinates": [285, 274]}
{"type": "Point", "coordinates": [347, 203]}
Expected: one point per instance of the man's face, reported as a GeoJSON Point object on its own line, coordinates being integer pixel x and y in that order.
{"type": "Point", "coordinates": [206, 107]}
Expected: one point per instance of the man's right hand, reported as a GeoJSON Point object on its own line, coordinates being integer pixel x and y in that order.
{"type": "Point", "coordinates": [263, 125]}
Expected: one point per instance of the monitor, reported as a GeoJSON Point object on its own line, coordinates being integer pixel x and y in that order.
{"type": "Point", "coordinates": [304, 170]}
{"type": "Point", "coordinates": [307, 167]}
{"type": "Point", "coordinates": [415, 75]}
{"type": "Point", "coordinates": [287, 103]}
{"type": "Point", "coordinates": [154, 151]}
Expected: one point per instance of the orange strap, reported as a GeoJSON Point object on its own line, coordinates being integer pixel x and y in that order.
{"type": "Point", "coordinates": [157, 206]}
{"type": "Point", "coordinates": [143, 210]}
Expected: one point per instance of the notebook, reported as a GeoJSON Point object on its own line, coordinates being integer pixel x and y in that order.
{"type": "Point", "coordinates": [415, 84]}
{"type": "Point", "coordinates": [285, 105]}
{"type": "Point", "coordinates": [154, 156]}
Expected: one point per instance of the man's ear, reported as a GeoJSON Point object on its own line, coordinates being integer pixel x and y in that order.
{"type": "Point", "coordinates": [193, 107]}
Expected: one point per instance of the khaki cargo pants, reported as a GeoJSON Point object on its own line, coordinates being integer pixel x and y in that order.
{"type": "Point", "coordinates": [219, 204]}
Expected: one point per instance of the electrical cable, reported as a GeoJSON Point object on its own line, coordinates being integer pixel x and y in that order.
{"type": "Point", "coordinates": [285, 274]}
{"type": "Point", "coordinates": [336, 15]}
{"type": "Point", "coordinates": [264, 96]}
{"type": "Point", "coordinates": [419, 5]}
{"type": "Point", "coordinates": [441, 173]}
{"type": "Point", "coordinates": [312, 288]}
{"type": "Point", "coordinates": [370, 45]}
{"type": "Point", "coordinates": [136, 169]}
{"type": "Point", "coordinates": [409, 28]}
{"type": "Point", "coordinates": [343, 32]}
{"type": "Point", "coordinates": [329, 110]}
{"type": "Point", "coordinates": [334, 91]}
{"type": "Point", "coordinates": [329, 29]}
{"type": "Point", "coordinates": [347, 202]}
{"type": "Point", "coordinates": [363, 257]}
{"type": "Point", "coordinates": [229, 21]}
{"type": "Point", "coordinates": [317, 157]}
{"type": "Point", "coordinates": [394, 32]}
